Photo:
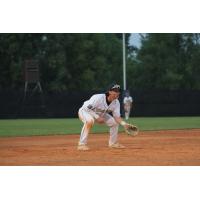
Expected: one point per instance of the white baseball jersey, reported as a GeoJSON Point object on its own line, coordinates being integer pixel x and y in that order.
{"type": "Point", "coordinates": [97, 106]}
{"type": "Point", "coordinates": [128, 100]}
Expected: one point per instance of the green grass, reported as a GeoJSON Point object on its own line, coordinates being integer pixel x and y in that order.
{"type": "Point", "coordinates": [162, 123]}
{"type": "Point", "coordinates": [27, 127]}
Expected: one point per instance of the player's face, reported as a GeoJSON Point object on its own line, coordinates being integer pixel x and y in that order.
{"type": "Point", "coordinates": [113, 95]}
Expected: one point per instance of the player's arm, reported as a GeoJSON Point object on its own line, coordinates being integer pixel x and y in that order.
{"type": "Point", "coordinates": [93, 102]}
{"type": "Point", "coordinates": [120, 121]}
{"type": "Point", "coordinates": [131, 104]}
{"type": "Point", "coordinates": [117, 117]}
{"type": "Point", "coordinates": [90, 107]}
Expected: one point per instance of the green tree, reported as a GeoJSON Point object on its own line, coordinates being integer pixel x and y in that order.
{"type": "Point", "coordinates": [166, 61]}
{"type": "Point", "coordinates": [81, 61]}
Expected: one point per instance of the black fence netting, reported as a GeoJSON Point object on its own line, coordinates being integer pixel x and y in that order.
{"type": "Point", "coordinates": [15, 104]}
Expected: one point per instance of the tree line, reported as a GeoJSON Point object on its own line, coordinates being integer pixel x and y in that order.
{"type": "Point", "coordinates": [89, 61]}
{"type": "Point", "coordinates": [166, 61]}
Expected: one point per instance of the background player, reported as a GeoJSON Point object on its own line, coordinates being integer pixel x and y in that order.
{"type": "Point", "coordinates": [128, 103]}
{"type": "Point", "coordinates": [102, 108]}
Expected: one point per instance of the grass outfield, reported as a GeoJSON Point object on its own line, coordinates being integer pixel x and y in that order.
{"type": "Point", "coordinates": [27, 127]}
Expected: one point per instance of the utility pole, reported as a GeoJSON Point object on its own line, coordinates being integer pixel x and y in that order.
{"type": "Point", "coordinates": [124, 60]}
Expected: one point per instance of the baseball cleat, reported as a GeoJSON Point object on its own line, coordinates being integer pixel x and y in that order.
{"type": "Point", "coordinates": [117, 146]}
{"type": "Point", "coordinates": [83, 147]}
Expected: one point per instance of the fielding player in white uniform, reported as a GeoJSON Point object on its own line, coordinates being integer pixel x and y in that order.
{"type": "Point", "coordinates": [102, 108]}
{"type": "Point", "coordinates": [128, 101]}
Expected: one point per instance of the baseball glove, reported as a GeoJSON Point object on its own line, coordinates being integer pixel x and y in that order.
{"type": "Point", "coordinates": [131, 130]}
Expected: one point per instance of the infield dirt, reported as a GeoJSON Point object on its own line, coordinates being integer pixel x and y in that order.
{"type": "Point", "coordinates": [149, 148]}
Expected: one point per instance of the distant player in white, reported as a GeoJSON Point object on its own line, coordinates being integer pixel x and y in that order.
{"type": "Point", "coordinates": [128, 101]}
{"type": "Point", "coordinates": [102, 108]}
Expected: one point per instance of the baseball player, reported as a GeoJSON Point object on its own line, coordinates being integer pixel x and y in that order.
{"type": "Point", "coordinates": [128, 101]}
{"type": "Point", "coordinates": [102, 108]}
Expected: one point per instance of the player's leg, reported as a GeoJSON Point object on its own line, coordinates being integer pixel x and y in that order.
{"type": "Point", "coordinates": [88, 121]}
{"type": "Point", "coordinates": [126, 115]}
{"type": "Point", "coordinates": [126, 112]}
{"type": "Point", "coordinates": [114, 126]}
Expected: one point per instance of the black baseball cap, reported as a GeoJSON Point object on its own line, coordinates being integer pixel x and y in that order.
{"type": "Point", "coordinates": [114, 87]}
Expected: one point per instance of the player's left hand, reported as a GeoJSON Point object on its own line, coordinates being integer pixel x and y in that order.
{"type": "Point", "coordinates": [131, 130]}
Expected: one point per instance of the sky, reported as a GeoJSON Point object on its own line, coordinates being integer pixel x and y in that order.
{"type": "Point", "coordinates": [135, 40]}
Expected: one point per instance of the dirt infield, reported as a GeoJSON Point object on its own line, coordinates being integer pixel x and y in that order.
{"type": "Point", "coordinates": [157, 148]}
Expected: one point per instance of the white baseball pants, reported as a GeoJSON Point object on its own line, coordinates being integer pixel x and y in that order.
{"type": "Point", "coordinates": [127, 112]}
{"type": "Point", "coordinates": [89, 121]}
